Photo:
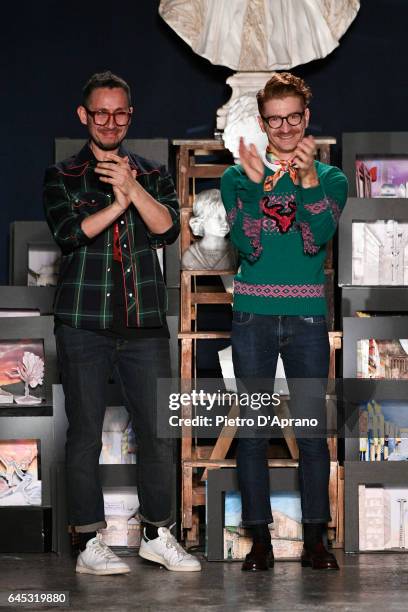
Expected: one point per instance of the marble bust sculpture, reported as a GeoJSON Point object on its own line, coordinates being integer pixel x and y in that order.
{"type": "Point", "coordinates": [260, 35]}
{"type": "Point", "coordinates": [209, 220]}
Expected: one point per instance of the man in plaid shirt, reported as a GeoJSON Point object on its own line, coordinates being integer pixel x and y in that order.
{"type": "Point", "coordinates": [109, 210]}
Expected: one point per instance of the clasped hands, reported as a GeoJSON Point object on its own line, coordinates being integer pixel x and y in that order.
{"type": "Point", "coordinates": [121, 176]}
{"type": "Point", "coordinates": [303, 158]}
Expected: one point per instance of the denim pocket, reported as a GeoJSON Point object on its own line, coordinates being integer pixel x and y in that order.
{"type": "Point", "coordinates": [242, 318]}
{"type": "Point", "coordinates": [313, 319]}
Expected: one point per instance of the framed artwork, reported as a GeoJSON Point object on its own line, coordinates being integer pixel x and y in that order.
{"type": "Point", "coordinates": [286, 530]}
{"type": "Point", "coordinates": [118, 438]}
{"type": "Point", "coordinates": [375, 347]}
{"type": "Point", "coordinates": [123, 525]}
{"type": "Point", "coordinates": [19, 473]}
{"type": "Point", "coordinates": [368, 512]}
{"type": "Point", "coordinates": [33, 254]}
{"type": "Point", "coordinates": [376, 164]}
{"type": "Point", "coordinates": [382, 177]}
{"type": "Point", "coordinates": [28, 365]}
{"type": "Point", "coordinates": [383, 428]}
{"type": "Point", "coordinates": [224, 541]}
{"type": "Point", "coordinates": [373, 243]}
{"type": "Point", "coordinates": [380, 253]}
{"type": "Point", "coordinates": [43, 265]}
{"type": "Point", "coordinates": [21, 371]}
{"type": "Point", "coordinates": [383, 518]}
{"type": "Point", "coordinates": [382, 359]}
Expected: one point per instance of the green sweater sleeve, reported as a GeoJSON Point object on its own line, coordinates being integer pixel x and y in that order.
{"type": "Point", "coordinates": [241, 198]}
{"type": "Point", "coordinates": [319, 208]}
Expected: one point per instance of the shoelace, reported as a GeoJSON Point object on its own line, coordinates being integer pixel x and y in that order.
{"type": "Point", "coordinates": [102, 549]}
{"type": "Point", "coordinates": [171, 543]}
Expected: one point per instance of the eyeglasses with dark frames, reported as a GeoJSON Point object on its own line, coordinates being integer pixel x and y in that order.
{"type": "Point", "coordinates": [276, 121]}
{"type": "Point", "coordinates": [102, 116]}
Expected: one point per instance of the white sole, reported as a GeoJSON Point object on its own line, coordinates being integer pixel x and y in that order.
{"type": "Point", "coordinates": [156, 559]}
{"type": "Point", "coordinates": [80, 569]}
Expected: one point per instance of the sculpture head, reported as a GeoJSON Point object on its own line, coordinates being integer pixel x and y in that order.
{"type": "Point", "coordinates": [209, 216]}
{"type": "Point", "coordinates": [283, 112]}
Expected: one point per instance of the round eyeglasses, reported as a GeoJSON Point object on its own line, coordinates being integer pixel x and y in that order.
{"type": "Point", "coordinates": [102, 117]}
{"type": "Point", "coordinates": [276, 121]}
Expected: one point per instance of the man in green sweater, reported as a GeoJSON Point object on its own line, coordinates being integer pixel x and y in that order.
{"type": "Point", "coordinates": [283, 208]}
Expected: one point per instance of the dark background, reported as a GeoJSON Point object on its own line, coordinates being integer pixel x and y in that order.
{"type": "Point", "coordinates": [49, 48]}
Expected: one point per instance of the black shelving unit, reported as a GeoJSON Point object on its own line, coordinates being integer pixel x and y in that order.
{"type": "Point", "coordinates": [369, 473]}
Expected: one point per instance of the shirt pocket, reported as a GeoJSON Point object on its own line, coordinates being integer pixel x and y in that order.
{"type": "Point", "coordinates": [90, 201]}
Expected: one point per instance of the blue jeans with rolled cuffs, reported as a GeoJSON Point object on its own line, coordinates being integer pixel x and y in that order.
{"type": "Point", "coordinates": [303, 343]}
{"type": "Point", "coordinates": [87, 360]}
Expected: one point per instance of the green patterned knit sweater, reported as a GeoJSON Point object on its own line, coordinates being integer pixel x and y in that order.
{"type": "Point", "coordinates": [281, 233]}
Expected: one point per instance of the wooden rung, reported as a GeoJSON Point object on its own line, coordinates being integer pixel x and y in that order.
{"type": "Point", "coordinates": [203, 335]}
{"type": "Point", "coordinates": [207, 170]}
{"type": "Point", "coordinates": [211, 298]}
{"type": "Point", "coordinates": [209, 289]}
{"type": "Point", "coordinates": [206, 272]}
{"type": "Point", "coordinates": [202, 152]}
{"type": "Point", "coordinates": [196, 145]}
{"type": "Point", "coordinates": [231, 463]}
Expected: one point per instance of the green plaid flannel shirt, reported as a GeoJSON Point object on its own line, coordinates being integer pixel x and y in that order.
{"type": "Point", "coordinates": [72, 191]}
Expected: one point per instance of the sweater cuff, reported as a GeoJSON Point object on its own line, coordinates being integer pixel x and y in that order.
{"type": "Point", "coordinates": [250, 194]}
{"type": "Point", "coordinates": [312, 194]}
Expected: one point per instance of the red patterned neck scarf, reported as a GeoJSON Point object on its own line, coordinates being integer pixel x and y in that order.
{"type": "Point", "coordinates": [282, 166]}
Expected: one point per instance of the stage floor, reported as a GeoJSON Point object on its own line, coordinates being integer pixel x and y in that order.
{"type": "Point", "coordinates": [365, 582]}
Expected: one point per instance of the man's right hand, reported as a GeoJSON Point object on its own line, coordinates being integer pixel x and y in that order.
{"type": "Point", "coordinates": [251, 161]}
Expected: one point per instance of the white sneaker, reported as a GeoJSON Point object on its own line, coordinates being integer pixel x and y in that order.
{"type": "Point", "coordinates": [97, 558]}
{"type": "Point", "coordinates": [168, 552]}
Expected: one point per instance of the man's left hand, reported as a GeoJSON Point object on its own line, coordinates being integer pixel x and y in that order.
{"type": "Point", "coordinates": [119, 174]}
{"type": "Point", "coordinates": [304, 158]}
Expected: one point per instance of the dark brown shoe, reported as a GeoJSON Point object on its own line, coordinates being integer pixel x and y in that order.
{"type": "Point", "coordinates": [260, 558]}
{"type": "Point", "coordinates": [319, 558]}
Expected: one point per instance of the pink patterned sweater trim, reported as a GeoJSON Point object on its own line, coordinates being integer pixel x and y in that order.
{"type": "Point", "coordinates": [326, 204]}
{"type": "Point", "coordinates": [251, 228]}
{"type": "Point", "coordinates": [232, 214]}
{"type": "Point", "coordinates": [279, 291]}
{"type": "Point", "coordinates": [309, 246]}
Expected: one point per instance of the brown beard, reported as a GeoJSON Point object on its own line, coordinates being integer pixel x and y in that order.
{"type": "Point", "coordinates": [109, 147]}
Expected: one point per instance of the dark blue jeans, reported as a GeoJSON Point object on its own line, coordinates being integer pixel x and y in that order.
{"type": "Point", "coordinates": [303, 343]}
{"type": "Point", "coordinates": [87, 360]}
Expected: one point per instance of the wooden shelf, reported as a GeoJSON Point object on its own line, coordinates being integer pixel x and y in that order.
{"type": "Point", "coordinates": [207, 272]}
{"type": "Point", "coordinates": [45, 409]}
{"type": "Point", "coordinates": [205, 145]}
{"type": "Point", "coordinates": [202, 335]}
{"type": "Point", "coordinates": [220, 463]}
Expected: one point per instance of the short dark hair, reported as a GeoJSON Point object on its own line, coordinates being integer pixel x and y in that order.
{"type": "Point", "coordinates": [283, 84]}
{"type": "Point", "coordinates": [104, 79]}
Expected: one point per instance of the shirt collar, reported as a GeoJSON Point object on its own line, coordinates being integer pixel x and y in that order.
{"type": "Point", "coordinates": [269, 164]}
{"type": "Point", "coordinates": [86, 156]}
